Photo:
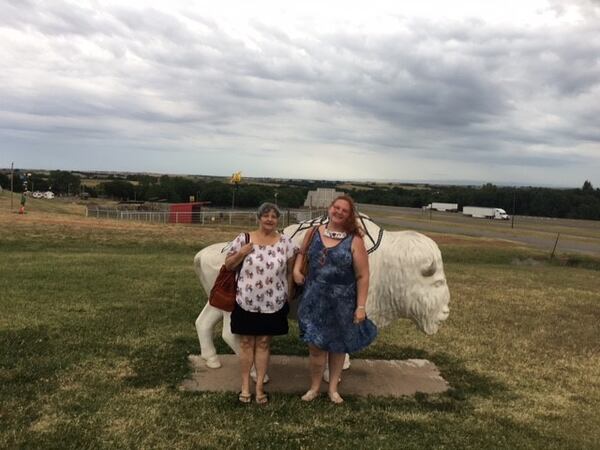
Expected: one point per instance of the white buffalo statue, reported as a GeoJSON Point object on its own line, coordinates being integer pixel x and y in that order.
{"type": "Point", "coordinates": [406, 281]}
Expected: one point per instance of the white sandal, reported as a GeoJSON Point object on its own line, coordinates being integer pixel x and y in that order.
{"type": "Point", "coordinates": [310, 396]}
{"type": "Point", "coordinates": [335, 398]}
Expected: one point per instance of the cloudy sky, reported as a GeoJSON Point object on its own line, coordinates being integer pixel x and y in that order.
{"type": "Point", "coordinates": [503, 91]}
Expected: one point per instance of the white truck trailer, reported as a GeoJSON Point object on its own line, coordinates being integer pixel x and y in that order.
{"type": "Point", "coordinates": [451, 207]}
{"type": "Point", "coordinates": [488, 213]}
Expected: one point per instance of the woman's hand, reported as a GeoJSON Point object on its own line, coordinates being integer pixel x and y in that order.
{"type": "Point", "coordinates": [246, 249]}
{"type": "Point", "coordinates": [360, 314]}
{"type": "Point", "coordinates": [232, 261]}
{"type": "Point", "coordinates": [298, 277]}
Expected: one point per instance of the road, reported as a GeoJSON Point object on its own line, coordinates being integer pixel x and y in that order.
{"type": "Point", "coordinates": [576, 236]}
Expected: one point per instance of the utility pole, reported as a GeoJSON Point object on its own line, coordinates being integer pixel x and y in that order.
{"type": "Point", "coordinates": [512, 222]}
{"type": "Point", "coordinates": [12, 175]}
{"type": "Point", "coordinates": [236, 178]}
{"type": "Point", "coordinates": [430, 207]}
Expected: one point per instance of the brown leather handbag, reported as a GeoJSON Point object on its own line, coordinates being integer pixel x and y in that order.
{"type": "Point", "coordinates": [304, 251]}
{"type": "Point", "coordinates": [222, 295]}
{"type": "Point", "coordinates": [298, 289]}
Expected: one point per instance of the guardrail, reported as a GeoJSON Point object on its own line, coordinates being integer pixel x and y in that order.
{"type": "Point", "coordinates": [209, 217]}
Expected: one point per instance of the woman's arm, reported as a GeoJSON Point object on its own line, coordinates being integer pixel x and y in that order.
{"type": "Point", "coordinates": [360, 260]}
{"type": "Point", "coordinates": [298, 276]}
{"type": "Point", "coordinates": [234, 260]}
{"type": "Point", "coordinates": [290, 277]}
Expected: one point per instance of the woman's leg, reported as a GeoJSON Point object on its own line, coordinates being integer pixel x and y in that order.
{"type": "Point", "coordinates": [336, 363]}
{"type": "Point", "coordinates": [316, 360]}
{"type": "Point", "coordinates": [247, 344]}
{"type": "Point", "coordinates": [262, 352]}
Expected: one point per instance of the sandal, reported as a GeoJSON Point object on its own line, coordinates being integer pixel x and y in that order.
{"type": "Point", "coordinates": [336, 398]}
{"type": "Point", "coordinates": [262, 399]}
{"type": "Point", "coordinates": [309, 396]}
{"type": "Point", "coordinates": [244, 398]}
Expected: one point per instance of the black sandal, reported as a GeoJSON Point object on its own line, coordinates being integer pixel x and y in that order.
{"type": "Point", "coordinates": [244, 398]}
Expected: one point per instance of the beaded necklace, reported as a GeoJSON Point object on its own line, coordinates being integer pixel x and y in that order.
{"type": "Point", "coordinates": [338, 235]}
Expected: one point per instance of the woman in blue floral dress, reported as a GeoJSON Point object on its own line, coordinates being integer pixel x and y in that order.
{"type": "Point", "coordinates": [331, 313]}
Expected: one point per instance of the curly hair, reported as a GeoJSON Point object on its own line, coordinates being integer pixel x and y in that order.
{"type": "Point", "coordinates": [267, 207]}
{"type": "Point", "coordinates": [350, 226]}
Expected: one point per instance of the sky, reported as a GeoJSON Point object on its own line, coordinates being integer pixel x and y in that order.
{"type": "Point", "coordinates": [502, 92]}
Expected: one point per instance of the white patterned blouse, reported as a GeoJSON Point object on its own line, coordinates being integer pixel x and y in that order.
{"type": "Point", "coordinates": [262, 285]}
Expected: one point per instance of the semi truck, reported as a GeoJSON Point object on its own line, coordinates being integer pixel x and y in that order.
{"type": "Point", "coordinates": [451, 207]}
{"type": "Point", "coordinates": [488, 213]}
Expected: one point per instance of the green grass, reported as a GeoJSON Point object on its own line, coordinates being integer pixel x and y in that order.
{"type": "Point", "coordinates": [97, 323]}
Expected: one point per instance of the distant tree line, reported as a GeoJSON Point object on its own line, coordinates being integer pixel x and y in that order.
{"type": "Point", "coordinates": [58, 181]}
{"type": "Point", "coordinates": [581, 203]}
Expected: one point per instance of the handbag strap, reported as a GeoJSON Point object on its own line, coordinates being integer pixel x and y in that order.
{"type": "Point", "coordinates": [309, 237]}
{"type": "Point", "coordinates": [247, 239]}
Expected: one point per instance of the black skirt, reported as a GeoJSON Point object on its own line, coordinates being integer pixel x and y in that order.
{"type": "Point", "coordinates": [259, 324]}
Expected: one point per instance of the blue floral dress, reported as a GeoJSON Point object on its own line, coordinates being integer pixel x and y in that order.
{"type": "Point", "coordinates": [327, 305]}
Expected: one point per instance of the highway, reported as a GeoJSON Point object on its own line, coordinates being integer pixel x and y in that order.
{"type": "Point", "coordinates": [576, 236]}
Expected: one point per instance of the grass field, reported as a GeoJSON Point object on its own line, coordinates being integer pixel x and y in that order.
{"type": "Point", "coordinates": [97, 323]}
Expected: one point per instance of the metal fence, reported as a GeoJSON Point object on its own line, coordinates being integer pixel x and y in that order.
{"type": "Point", "coordinates": [208, 217]}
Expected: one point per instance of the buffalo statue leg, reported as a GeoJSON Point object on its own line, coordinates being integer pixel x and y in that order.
{"type": "Point", "coordinates": [230, 339]}
{"type": "Point", "coordinates": [346, 366]}
{"type": "Point", "coordinates": [205, 324]}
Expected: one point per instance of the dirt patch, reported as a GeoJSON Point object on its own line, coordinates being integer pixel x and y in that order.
{"type": "Point", "coordinates": [46, 423]}
{"type": "Point", "coordinates": [530, 262]}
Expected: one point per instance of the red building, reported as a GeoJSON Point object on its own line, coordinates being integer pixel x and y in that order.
{"type": "Point", "coordinates": [186, 212]}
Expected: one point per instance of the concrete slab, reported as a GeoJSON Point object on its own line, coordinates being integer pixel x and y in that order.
{"type": "Point", "coordinates": [289, 374]}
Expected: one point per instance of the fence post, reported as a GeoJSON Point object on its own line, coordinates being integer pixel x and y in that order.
{"type": "Point", "coordinates": [555, 244]}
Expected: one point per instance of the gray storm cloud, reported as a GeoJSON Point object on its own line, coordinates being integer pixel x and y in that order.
{"type": "Point", "coordinates": [125, 81]}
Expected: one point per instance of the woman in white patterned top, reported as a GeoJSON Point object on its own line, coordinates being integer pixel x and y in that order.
{"type": "Point", "coordinates": [263, 290]}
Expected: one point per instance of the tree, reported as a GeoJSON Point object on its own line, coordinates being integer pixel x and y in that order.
{"type": "Point", "coordinates": [118, 189]}
{"type": "Point", "coordinates": [64, 182]}
{"type": "Point", "coordinates": [587, 186]}
{"type": "Point", "coordinates": [4, 181]}
{"type": "Point", "coordinates": [38, 182]}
